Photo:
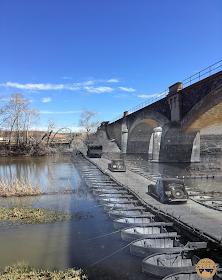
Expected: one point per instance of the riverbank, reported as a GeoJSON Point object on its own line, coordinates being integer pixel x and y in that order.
{"type": "Point", "coordinates": [23, 271]}
{"type": "Point", "coordinates": [25, 150]}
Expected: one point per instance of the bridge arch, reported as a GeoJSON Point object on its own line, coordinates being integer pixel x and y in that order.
{"type": "Point", "coordinates": [181, 141]}
{"type": "Point", "coordinates": [141, 132]}
{"type": "Point", "coordinates": [206, 112]}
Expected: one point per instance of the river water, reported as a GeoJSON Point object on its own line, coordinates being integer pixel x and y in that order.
{"type": "Point", "coordinates": [64, 244]}
{"type": "Point", "coordinates": [67, 244]}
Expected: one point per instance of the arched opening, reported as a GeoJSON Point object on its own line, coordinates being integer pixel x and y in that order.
{"type": "Point", "coordinates": [140, 136]}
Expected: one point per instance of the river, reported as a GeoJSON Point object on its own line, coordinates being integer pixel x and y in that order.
{"type": "Point", "coordinates": [62, 245]}
{"type": "Point", "coordinates": [66, 244]}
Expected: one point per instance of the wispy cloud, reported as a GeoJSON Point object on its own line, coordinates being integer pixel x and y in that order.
{"type": "Point", "coordinates": [87, 83]}
{"type": "Point", "coordinates": [122, 95]}
{"type": "Point", "coordinates": [57, 112]}
{"type": "Point", "coordinates": [74, 86]}
{"type": "Point", "coordinates": [46, 99]}
{"type": "Point", "coordinates": [67, 78]}
{"type": "Point", "coordinates": [144, 96]}
{"type": "Point", "coordinates": [112, 81]}
{"type": "Point", "coordinates": [35, 86]}
{"type": "Point", "coordinates": [99, 89]}
{"type": "Point", "coordinates": [127, 89]}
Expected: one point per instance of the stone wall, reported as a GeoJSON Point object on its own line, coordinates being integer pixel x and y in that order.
{"type": "Point", "coordinates": [211, 146]}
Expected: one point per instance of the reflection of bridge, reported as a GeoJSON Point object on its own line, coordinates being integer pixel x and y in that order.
{"type": "Point", "coordinates": [168, 130]}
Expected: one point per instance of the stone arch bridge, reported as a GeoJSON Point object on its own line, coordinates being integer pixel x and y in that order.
{"type": "Point", "coordinates": [169, 129]}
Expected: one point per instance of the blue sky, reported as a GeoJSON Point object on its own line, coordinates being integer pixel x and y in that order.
{"type": "Point", "coordinates": [107, 55]}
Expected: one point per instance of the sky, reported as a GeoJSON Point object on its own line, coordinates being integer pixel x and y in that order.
{"type": "Point", "coordinates": [103, 55]}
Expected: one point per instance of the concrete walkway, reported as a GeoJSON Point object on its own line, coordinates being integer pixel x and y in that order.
{"type": "Point", "coordinates": [191, 213]}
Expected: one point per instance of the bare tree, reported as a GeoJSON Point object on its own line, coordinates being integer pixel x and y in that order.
{"type": "Point", "coordinates": [32, 117]}
{"type": "Point", "coordinates": [13, 112]}
{"type": "Point", "coordinates": [60, 129]}
{"type": "Point", "coordinates": [89, 121]}
{"type": "Point", "coordinates": [51, 126]}
{"type": "Point", "coordinates": [16, 115]}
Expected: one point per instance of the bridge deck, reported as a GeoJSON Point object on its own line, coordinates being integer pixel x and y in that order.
{"type": "Point", "coordinates": [191, 213]}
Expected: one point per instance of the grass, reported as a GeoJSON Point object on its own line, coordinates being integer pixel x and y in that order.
{"type": "Point", "coordinates": [28, 215]}
{"type": "Point", "coordinates": [23, 271]}
{"type": "Point", "coordinates": [25, 187]}
{"type": "Point", "coordinates": [16, 187]}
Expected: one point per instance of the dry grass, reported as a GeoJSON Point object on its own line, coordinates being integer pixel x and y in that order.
{"type": "Point", "coordinates": [23, 271]}
{"type": "Point", "coordinates": [19, 187]}
{"type": "Point", "coordinates": [28, 215]}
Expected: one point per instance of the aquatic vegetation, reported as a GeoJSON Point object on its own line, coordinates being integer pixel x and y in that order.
{"type": "Point", "coordinates": [23, 271]}
{"type": "Point", "coordinates": [19, 187]}
{"type": "Point", "coordinates": [28, 215]}
{"type": "Point", "coordinates": [22, 187]}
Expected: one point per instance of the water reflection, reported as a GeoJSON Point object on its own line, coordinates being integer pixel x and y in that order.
{"type": "Point", "coordinates": [62, 244]}
{"type": "Point", "coordinates": [69, 243]}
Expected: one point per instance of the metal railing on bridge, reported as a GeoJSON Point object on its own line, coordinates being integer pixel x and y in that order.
{"type": "Point", "coordinates": [144, 104]}
{"type": "Point", "coordinates": [185, 83]}
{"type": "Point", "coordinates": [202, 74]}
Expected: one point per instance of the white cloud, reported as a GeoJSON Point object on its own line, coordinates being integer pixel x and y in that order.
{"type": "Point", "coordinates": [143, 96]}
{"type": "Point", "coordinates": [55, 112]}
{"type": "Point", "coordinates": [69, 86]}
{"type": "Point", "coordinates": [46, 99]}
{"type": "Point", "coordinates": [74, 86]}
{"type": "Point", "coordinates": [122, 95]}
{"type": "Point", "coordinates": [112, 81]}
{"type": "Point", "coordinates": [127, 89]}
{"type": "Point", "coordinates": [99, 89]}
{"type": "Point", "coordinates": [35, 86]}
{"type": "Point", "coordinates": [87, 83]}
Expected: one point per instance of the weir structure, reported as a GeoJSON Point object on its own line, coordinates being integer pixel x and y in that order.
{"type": "Point", "coordinates": [167, 127]}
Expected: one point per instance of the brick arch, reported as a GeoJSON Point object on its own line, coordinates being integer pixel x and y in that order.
{"type": "Point", "coordinates": [206, 112]}
{"type": "Point", "coordinates": [180, 141]}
